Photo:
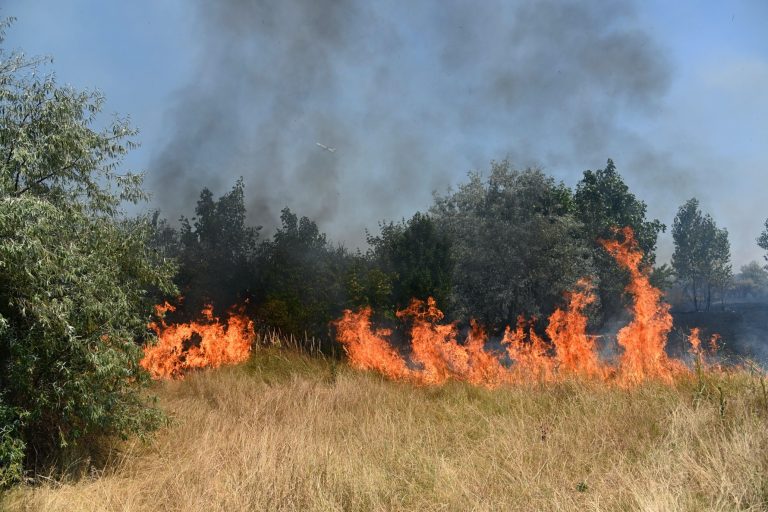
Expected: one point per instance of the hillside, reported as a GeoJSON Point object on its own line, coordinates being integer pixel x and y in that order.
{"type": "Point", "coordinates": [288, 432]}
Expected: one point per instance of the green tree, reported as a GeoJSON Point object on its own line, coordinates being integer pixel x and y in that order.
{"type": "Point", "coordinates": [603, 202]}
{"type": "Point", "coordinates": [418, 257]}
{"type": "Point", "coordinates": [216, 251]}
{"type": "Point", "coordinates": [762, 240]}
{"type": "Point", "coordinates": [516, 245]}
{"type": "Point", "coordinates": [751, 281]}
{"type": "Point", "coordinates": [702, 257]}
{"type": "Point", "coordinates": [663, 277]}
{"type": "Point", "coordinates": [73, 274]}
{"type": "Point", "coordinates": [367, 284]}
{"type": "Point", "coordinates": [301, 278]}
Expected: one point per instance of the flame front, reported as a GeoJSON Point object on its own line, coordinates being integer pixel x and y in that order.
{"type": "Point", "coordinates": [369, 350]}
{"type": "Point", "coordinates": [645, 337]}
{"type": "Point", "coordinates": [575, 349]}
{"type": "Point", "coordinates": [199, 344]}
{"type": "Point", "coordinates": [699, 353]}
{"type": "Point", "coordinates": [436, 355]}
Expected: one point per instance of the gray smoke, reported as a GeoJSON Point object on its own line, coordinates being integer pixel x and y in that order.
{"type": "Point", "coordinates": [412, 95]}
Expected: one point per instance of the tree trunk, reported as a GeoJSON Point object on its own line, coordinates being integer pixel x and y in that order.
{"type": "Point", "coordinates": [722, 298]}
{"type": "Point", "coordinates": [695, 296]}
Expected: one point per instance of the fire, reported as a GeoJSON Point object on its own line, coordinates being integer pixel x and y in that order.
{"type": "Point", "coordinates": [575, 349]}
{"type": "Point", "coordinates": [529, 353]}
{"type": "Point", "coordinates": [435, 351]}
{"type": "Point", "coordinates": [695, 340]}
{"type": "Point", "coordinates": [436, 355]}
{"type": "Point", "coordinates": [645, 337]}
{"type": "Point", "coordinates": [367, 349]}
{"type": "Point", "coordinates": [698, 352]}
{"type": "Point", "coordinates": [198, 344]}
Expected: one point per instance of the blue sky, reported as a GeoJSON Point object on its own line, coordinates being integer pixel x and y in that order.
{"type": "Point", "coordinates": [415, 94]}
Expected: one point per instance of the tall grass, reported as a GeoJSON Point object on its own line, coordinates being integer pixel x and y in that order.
{"type": "Point", "coordinates": [291, 432]}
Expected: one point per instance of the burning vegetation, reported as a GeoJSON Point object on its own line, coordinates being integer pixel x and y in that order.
{"type": "Point", "coordinates": [207, 342]}
{"type": "Point", "coordinates": [79, 273]}
{"type": "Point", "coordinates": [436, 355]}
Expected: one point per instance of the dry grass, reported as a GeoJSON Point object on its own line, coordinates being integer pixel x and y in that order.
{"type": "Point", "coordinates": [286, 432]}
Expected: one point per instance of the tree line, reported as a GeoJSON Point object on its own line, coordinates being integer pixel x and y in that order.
{"type": "Point", "coordinates": [79, 277]}
{"type": "Point", "coordinates": [499, 246]}
{"type": "Point", "coordinates": [503, 244]}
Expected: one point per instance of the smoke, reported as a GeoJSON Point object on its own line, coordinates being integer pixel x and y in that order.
{"type": "Point", "coordinates": [411, 95]}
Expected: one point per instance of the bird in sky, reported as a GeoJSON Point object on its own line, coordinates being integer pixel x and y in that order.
{"type": "Point", "coordinates": [330, 150]}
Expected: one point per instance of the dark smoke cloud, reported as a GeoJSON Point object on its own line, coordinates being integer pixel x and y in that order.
{"type": "Point", "coordinates": [412, 95]}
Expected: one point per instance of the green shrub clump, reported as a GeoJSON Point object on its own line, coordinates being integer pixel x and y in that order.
{"type": "Point", "coordinates": [75, 275]}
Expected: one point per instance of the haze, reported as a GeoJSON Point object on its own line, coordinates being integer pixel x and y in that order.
{"type": "Point", "coordinates": [413, 95]}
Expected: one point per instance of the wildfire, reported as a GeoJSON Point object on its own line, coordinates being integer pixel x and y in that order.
{"type": "Point", "coordinates": [204, 343]}
{"type": "Point", "coordinates": [369, 350]}
{"type": "Point", "coordinates": [645, 337]}
{"type": "Point", "coordinates": [698, 352]}
{"type": "Point", "coordinates": [529, 352]}
{"type": "Point", "coordinates": [436, 355]}
{"type": "Point", "coordinates": [575, 349]}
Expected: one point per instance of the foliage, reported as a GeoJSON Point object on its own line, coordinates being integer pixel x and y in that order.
{"type": "Point", "coordinates": [515, 243]}
{"type": "Point", "coordinates": [762, 240]}
{"type": "Point", "coordinates": [300, 276]}
{"type": "Point", "coordinates": [71, 303]}
{"type": "Point", "coordinates": [12, 446]}
{"type": "Point", "coordinates": [702, 257]}
{"type": "Point", "coordinates": [49, 147]}
{"type": "Point", "coordinates": [750, 282]}
{"type": "Point", "coordinates": [73, 275]}
{"type": "Point", "coordinates": [417, 256]}
{"type": "Point", "coordinates": [366, 284]}
{"type": "Point", "coordinates": [216, 251]}
{"type": "Point", "coordinates": [663, 277]}
{"type": "Point", "coordinates": [295, 282]}
{"type": "Point", "coordinates": [602, 202]}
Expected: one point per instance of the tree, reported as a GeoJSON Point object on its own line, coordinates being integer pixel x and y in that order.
{"type": "Point", "coordinates": [417, 255]}
{"type": "Point", "coordinates": [217, 252]}
{"type": "Point", "coordinates": [516, 245]}
{"type": "Point", "coordinates": [367, 284]}
{"type": "Point", "coordinates": [702, 254]}
{"type": "Point", "coordinates": [301, 278]}
{"type": "Point", "coordinates": [751, 281]}
{"type": "Point", "coordinates": [73, 274]}
{"type": "Point", "coordinates": [662, 277]}
{"type": "Point", "coordinates": [603, 202]}
{"type": "Point", "coordinates": [762, 240]}
{"type": "Point", "coordinates": [49, 146]}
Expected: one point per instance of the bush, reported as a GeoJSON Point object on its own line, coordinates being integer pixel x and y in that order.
{"type": "Point", "coordinates": [515, 244]}
{"type": "Point", "coordinates": [71, 293]}
{"type": "Point", "coordinates": [73, 274]}
{"type": "Point", "coordinates": [12, 447]}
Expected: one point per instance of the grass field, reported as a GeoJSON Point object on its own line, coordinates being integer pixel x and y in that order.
{"type": "Point", "coordinates": [290, 432]}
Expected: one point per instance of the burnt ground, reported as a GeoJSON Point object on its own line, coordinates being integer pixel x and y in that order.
{"type": "Point", "coordinates": [743, 328]}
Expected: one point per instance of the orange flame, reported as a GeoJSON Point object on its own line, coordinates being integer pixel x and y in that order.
{"type": "Point", "coordinates": [439, 357]}
{"type": "Point", "coordinates": [528, 352]}
{"type": "Point", "coordinates": [695, 340]}
{"type": "Point", "coordinates": [575, 349]}
{"type": "Point", "coordinates": [436, 355]}
{"type": "Point", "coordinates": [369, 350]}
{"type": "Point", "coordinates": [698, 352]}
{"type": "Point", "coordinates": [645, 337]}
{"type": "Point", "coordinates": [198, 344]}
